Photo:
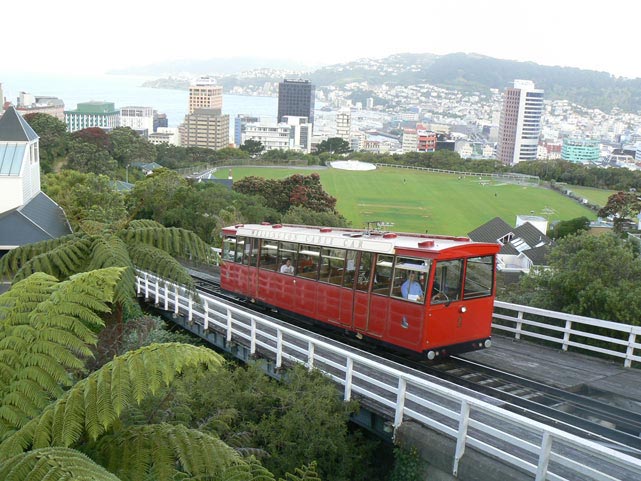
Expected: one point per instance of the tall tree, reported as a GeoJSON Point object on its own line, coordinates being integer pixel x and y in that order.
{"type": "Point", "coordinates": [52, 133]}
{"type": "Point", "coordinates": [126, 146]}
{"type": "Point", "coordinates": [333, 145]}
{"type": "Point", "coordinates": [252, 147]}
{"type": "Point", "coordinates": [622, 207]}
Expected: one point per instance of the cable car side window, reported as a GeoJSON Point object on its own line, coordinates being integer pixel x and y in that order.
{"type": "Point", "coordinates": [410, 277]}
{"type": "Point", "coordinates": [308, 261]}
{"type": "Point", "coordinates": [364, 272]}
{"type": "Point", "coordinates": [383, 274]}
{"type": "Point", "coordinates": [447, 281]}
{"type": "Point", "coordinates": [229, 248]}
{"type": "Point", "coordinates": [253, 244]}
{"type": "Point", "coordinates": [332, 266]}
{"type": "Point", "coordinates": [287, 250]}
{"type": "Point", "coordinates": [240, 248]}
{"type": "Point", "coordinates": [269, 255]}
{"type": "Point", "coordinates": [350, 269]}
{"type": "Point", "coordinates": [479, 277]}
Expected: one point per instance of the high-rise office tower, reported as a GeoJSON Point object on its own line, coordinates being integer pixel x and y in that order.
{"type": "Point", "coordinates": [204, 93]}
{"type": "Point", "coordinates": [520, 123]}
{"type": "Point", "coordinates": [296, 98]}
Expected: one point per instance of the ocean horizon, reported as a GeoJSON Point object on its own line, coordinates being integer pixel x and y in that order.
{"type": "Point", "coordinates": [127, 90]}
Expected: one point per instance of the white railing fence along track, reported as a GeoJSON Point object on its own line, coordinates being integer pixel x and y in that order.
{"type": "Point", "coordinates": [544, 452]}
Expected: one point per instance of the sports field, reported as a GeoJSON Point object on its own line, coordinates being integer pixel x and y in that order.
{"type": "Point", "coordinates": [417, 201]}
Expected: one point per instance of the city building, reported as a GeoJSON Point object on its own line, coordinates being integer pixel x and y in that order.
{"type": "Point", "coordinates": [92, 114]}
{"type": "Point", "coordinates": [140, 119]}
{"type": "Point", "coordinates": [426, 139]}
{"type": "Point", "coordinates": [206, 128]}
{"type": "Point", "coordinates": [301, 133]}
{"type": "Point", "coordinates": [160, 120]}
{"type": "Point", "coordinates": [272, 136]}
{"type": "Point", "coordinates": [30, 104]}
{"type": "Point", "coordinates": [296, 97]}
{"type": "Point", "coordinates": [581, 150]}
{"type": "Point", "coordinates": [239, 126]}
{"type": "Point", "coordinates": [204, 93]}
{"type": "Point", "coordinates": [26, 213]}
{"type": "Point", "coordinates": [520, 123]}
{"type": "Point", "coordinates": [409, 140]}
{"type": "Point", "coordinates": [343, 124]}
{"type": "Point", "coordinates": [165, 135]}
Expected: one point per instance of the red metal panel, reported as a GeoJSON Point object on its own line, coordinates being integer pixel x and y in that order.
{"type": "Point", "coordinates": [406, 324]}
{"type": "Point", "coordinates": [304, 296]}
{"type": "Point", "coordinates": [361, 311]}
{"type": "Point", "coordinates": [447, 324]}
{"type": "Point", "coordinates": [346, 313]}
{"type": "Point", "coordinates": [328, 302]}
{"type": "Point", "coordinates": [378, 311]}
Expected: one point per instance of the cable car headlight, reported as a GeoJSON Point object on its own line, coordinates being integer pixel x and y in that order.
{"type": "Point", "coordinates": [463, 309]}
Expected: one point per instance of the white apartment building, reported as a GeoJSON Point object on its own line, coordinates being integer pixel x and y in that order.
{"type": "Point", "coordinates": [140, 119]}
{"type": "Point", "coordinates": [272, 136]}
{"type": "Point", "coordinates": [165, 135]}
{"type": "Point", "coordinates": [301, 133]}
{"type": "Point", "coordinates": [520, 123]}
{"type": "Point", "coordinates": [409, 140]}
{"type": "Point", "coordinates": [343, 124]}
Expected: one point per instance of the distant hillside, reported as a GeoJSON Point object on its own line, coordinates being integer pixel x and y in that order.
{"type": "Point", "coordinates": [459, 71]}
{"type": "Point", "coordinates": [471, 72]}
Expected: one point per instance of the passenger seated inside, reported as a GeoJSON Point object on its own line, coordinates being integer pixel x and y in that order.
{"type": "Point", "coordinates": [411, 288]}
{"type": "Point", "coordinates": [287, 268]}
{"type": "Point", "coordinates": [438, 296]}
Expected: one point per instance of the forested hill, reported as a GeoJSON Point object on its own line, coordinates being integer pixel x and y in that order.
{"type": "Point", "coordinates": [471, 72]}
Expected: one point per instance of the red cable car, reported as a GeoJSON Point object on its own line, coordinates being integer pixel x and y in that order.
{"type": "Point", "coordinates": [427, 294]}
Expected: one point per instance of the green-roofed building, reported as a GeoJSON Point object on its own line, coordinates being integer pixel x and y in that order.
{"type": "Point", "coordinates": [92, 114]}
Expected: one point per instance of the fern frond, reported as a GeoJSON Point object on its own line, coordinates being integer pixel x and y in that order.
{"type": "Point", "coordinates": [12, 261]}
{"type": "Point", "coordinates": [48, 343]}
{"type": "Point", "coordinates": [72, 407]}
{"type": "Point", "coordinates": [143, 224]}
{"type": "Point", "coordinates": [163, 452]}
{"type": "Point", "coordinates": [176, 241]}
{"type": "Point", "coordinates": [53, 463]}
{"type": "Point", "coordinates": [61, 261]}
{"type": "Point", "coordinates": [306, 473]}
{"type": "Point", "coordinates": [252, 470]}
{"type": "Point", "coordinates": [111, 251]}
{"type": "Point", "coordinates": [158, 261]}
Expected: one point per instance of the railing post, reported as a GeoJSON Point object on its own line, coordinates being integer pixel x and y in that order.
{"type": "Point", "coordinates": [544, 457]}
{"type": "Point", "coordinates": [632, 339]}
{"type": "Point", "coordinates": [190, 316]}
{"type": "Point", "coordinates": [310, 355]}
{"type": "Point", "coordinates": [157, 292]}
{"type": "Point", "coordinates": [176, 306]}
{"type": "Point", "coordinates": [566, 334]}
{"type": "Point", "coordinates": [165, 291]}
{"type": "Point", "coordinates": [349, 369]}
{"type": "Point", "coordinates": [146, 286]}
{"type": "Point", "coordinates": [252, 344]}
{"type": "Point", "coordinates": [400, 401]}
{"type": "Point", "coordinates": [279, 348]}
{"type": "Point", "coordinates": [519, 325]}
{"type": "Point", "coordinates": [229, 325]}
{"type": "Point", "coordinates": [462, 435]}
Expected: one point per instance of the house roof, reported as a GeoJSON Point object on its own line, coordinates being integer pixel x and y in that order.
{"type": "Point", "coordinates": [40, 219]}
{"type": "Point", "coordinates": [531, 235]}
{"type": "Point", "coordinates": [538, 255]}
{"type": "Point", "coordinates": [491, 231]}
{"type": "Point", "coordinates": [14, 128]}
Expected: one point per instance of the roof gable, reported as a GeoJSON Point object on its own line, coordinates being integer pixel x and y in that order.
{"type": "Point", "coordinates": [491, 231]}
{"type": "Point", "coordinates": [14, 128]}
{"type": "Point", "coordinates": [531, 235]}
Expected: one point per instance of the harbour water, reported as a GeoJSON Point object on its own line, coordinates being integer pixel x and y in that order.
{"type": "Point", "coordinates": [127, 91]}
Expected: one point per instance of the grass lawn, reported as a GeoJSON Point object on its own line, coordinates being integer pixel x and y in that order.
{"type": "Point", "coordinates": [595, 196]}
{"type": "Point", "coordinates": [419, 201]}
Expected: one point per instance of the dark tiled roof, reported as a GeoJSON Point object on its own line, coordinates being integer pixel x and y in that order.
{"type": "Point", "coordinates": [491, 231]}
{"type": "Point", "coordinates": [538, 255]}
{"type": "Point", "coordinates": [40, 219]}
{"type": "Point", "coordinates": [531, 235]}
{"type": "Point", "coordinates": [509, 249]}
{"type": "Point", "coordinates": [13, 128]}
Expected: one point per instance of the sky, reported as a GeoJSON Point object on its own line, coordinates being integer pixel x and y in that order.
{"type": "Point", "coordinates": [71, 36]}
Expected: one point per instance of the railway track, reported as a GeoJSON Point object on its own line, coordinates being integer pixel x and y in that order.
{"type": "Point", "coordinates": [613, 426]}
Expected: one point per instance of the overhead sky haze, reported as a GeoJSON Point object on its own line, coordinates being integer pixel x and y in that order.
{"type": "Point", "coordinates": [75, 36]}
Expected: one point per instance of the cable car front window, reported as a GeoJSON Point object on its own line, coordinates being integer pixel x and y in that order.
{"type": "Point", "coordinates": [410, 278]}
{"type": "Point", "coordinates": [479, 277]}
{"type": "Point", "coordinates": [447, 281]}
{"type": "Point", "coordinates": [229, 248]}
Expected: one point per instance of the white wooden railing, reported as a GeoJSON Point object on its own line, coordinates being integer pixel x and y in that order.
{"type": "Point", "coordinates": [569, 330]}
{"type": "Point", "coordinates": [544, 452]}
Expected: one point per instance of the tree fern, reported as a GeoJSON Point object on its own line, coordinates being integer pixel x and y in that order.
{"type": "Point", "coordinates": [53, 463]}
{"type": "Point", "coordinates": [252, 470]}
{"type": "Point", "coordinates": [11, 262]}
{"type": "Point", "coordinates": [109, 251]}
{"type": "Point", "coordinates": [150, 258]}
{"type": "Point", "coordinates": [306, 473]}
{"type": "Point", "coordinates": [99, 397]}
{"type": "Point", "coordinates": [164, 452]}
{"type": "Point", "coordinates": [39, 349]}
{"type": "Point", "coordinates": [176, 241]}
{"type": "Point", "coordinates": [61, 261]}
